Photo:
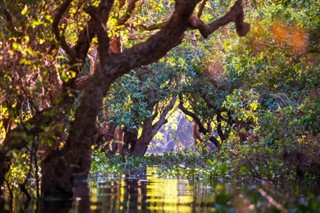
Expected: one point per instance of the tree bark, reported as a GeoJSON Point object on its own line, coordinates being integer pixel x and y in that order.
{"type": "Point", "coordinates": [62, 166]}
{"type": "Point", "coordinates": [73, 162]}
{"type": "Point", "coordinates": [197, 120]}
{"type": "Point", "coordinates": [149, 130]}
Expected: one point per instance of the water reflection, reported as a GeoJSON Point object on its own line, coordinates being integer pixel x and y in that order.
{"type": "Point", "coordinates": [147, 193]}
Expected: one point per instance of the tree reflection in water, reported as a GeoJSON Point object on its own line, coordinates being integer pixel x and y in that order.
{"type": "Point", "coordinates": [146, 193]}
{"type": "Point", "coordinates": [143, 191]}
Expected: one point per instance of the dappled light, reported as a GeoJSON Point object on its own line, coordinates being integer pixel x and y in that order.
{"type": "Point", "coordinates": [299, 40]}
{"type": "Point", "coordinates": [159, 106]}
{"type": "Point", "coordinates": [147, 192]}
{"type": "Point", "coordinates": [295, 37]}
{"type": "Point", "coordinates": [280, 32]}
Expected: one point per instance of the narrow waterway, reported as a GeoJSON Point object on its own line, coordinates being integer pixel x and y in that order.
{"type": "Point", "coordinates": [147, 192]}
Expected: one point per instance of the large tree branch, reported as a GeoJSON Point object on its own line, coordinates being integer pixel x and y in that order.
{"type": "Point", "coordinates": [196, 119]}
{"type": "Point", "coordinates": [219, 127]}
{"type": "Point", "coordinates": [55, 26]}
{"type": "Point", "coordinates": [201, 7]}
{"type": "Point", "coordinates": [131, 6]}
{"type": "Point", "coordinates": [86, 35]}
{"type": "Point", "coordinates": [162, 120]}
{"type": "Point", "coordinates": [100, 18]}
{"type": "Point", "coordinates": [235, 15]}
{"type": "Point", "coordinates": [157, 45]}
{"type": "Point", "coordinates": [78, 53]}
{"type": "Point", "coordinates": [149, 130]}
{"type": "Point", "coordinates": [169, 36]}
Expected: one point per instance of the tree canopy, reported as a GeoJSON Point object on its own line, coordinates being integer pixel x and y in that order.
{"type": "Point", "coordinates": [74, 73]}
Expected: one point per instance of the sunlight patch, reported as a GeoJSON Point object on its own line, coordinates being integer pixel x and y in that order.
{"type": "Point", "coordinates": [299, 40]}
{"type": "Point", "coordinates": [279, 31]}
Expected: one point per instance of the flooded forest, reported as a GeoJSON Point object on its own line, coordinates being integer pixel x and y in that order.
{"type": "Point", "coordinates": [159, 106]}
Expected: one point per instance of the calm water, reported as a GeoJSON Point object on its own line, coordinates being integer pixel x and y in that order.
{"type": "Point", "coordinates": [148, 193]}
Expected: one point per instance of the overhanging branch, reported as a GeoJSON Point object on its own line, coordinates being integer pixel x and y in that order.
{"type": "Point", "coordinates": [100, 18]}
{"type": "Point", "coordinates": [171, 35]}
{"type": "Point", "coordinates": [162, 119]}
{"type": "Point", "coordinates": [197, 120]}
{"type": "Point", "coordinates": [235, 15]}
{"type": "Point", "coordinates": [131, 6]}
{"type": "Point", "coordinates": [55, 26]}
{"type": "Point", "coordinates": [201, 7]}
{"type": "Point", "coordinates": [157, 46]}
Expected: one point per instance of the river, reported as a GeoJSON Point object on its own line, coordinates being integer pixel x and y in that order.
{"type": "Point", "coordinates": [147, 192]}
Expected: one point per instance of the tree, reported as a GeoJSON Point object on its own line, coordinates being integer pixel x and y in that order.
{"type": "Point", "coordinates": [140, 101]}
{"type": "Point", "coordinates": [61, 166]}
{"type": "Point", "coordinates": [282, 66]}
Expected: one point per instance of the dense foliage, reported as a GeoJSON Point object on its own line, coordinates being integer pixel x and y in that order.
{"type": "Point", "coordinates": [254, 100]}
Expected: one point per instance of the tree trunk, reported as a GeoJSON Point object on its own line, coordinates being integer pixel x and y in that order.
{"type": "Point", "coordinates": [130, 138]}
{"type": "Point", "coordinates": [197, 120]}
{"type": "Point", "coordinates": [61, 166]}
{"type": "Point", "coordinates": [144, 140]}
{"type": "Point", "coordinates": [32, 128]}
{"type": "Point", "coordinates": [149, 130]}
{"type": "Point", "coordinates": [73, 162]}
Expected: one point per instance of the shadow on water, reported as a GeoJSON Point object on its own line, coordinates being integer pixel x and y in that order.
{"type": "Point", "coordinates": [145, 192]}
